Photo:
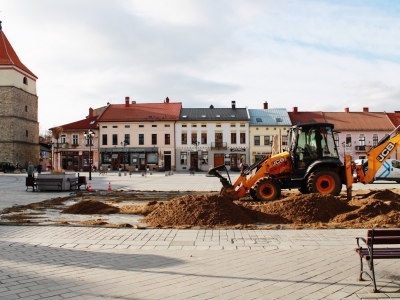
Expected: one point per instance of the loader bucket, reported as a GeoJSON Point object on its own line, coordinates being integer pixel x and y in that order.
{"type": "Point", "coordinates": [229, 193]}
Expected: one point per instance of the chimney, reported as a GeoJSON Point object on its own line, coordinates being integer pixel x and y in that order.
{"type": "Point", "coordinates": [346, 109]}
{"type": "Point", "coordinates": [127, 101]}
{"type": "Point", "coordinates": [295, 110]}
{"type": "Point", "coordinates": [90, 112]}
{"type": "Point", "coordinates": [265, 105]}
{"type": "Point", "coordinates": [133, 102]}
{"type": "Point", "coordinates": [365, 109]}
{"type": "Point", "coordinates": [233, 104]}
{"type": "Point", "coordinates": [167, 100]}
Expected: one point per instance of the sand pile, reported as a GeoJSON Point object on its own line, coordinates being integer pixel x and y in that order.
{"type": "Point", "coordinates": [200, 210]}
{"type": "Point", "coordinates": [376, 208]}
{"type": "Point", "coordinates": [88, 206]}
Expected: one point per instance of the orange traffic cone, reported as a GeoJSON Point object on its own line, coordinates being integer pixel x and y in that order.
{"type": "Point", "coordinates": [89, 187]}
{"type": "Point", "coordinates": [109, 186]}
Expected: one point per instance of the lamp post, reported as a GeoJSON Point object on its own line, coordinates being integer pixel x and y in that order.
{"type": "Point", "coordinates": [124, 143]}
{"type": "Point", "coordinates": [196, 144]}
{"type": "Point", "coordinates": [89, 138]}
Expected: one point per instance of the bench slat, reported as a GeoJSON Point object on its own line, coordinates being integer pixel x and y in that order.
{"type": "Point", "coordinates": [384, 240]}
{"type": "Point", "coordinates": [380, 253]}
{"type": "Point", "coordinates": [384, 232]}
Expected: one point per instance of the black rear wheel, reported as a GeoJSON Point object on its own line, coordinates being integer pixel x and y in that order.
{"type": "Point", "coordinates": [267, 189]}
{"type": "Point", "coordinates": [324, 181]}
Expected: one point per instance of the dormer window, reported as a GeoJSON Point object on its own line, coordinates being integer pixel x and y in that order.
{"type": "Point", "coordinates": [203, 116]}
{"type": "Point", "coordinates": [184, 116]}
{"type": "Point", "coordinates": [233, 116]}
{"type": "Point", "coordinates": [218, 116]}
{"type": "Point", "coordinates": [258, 120]}
{"type": "Point", "coordinates": [25, 80]}
{"type": "Point", "coordinates": [278, 119]}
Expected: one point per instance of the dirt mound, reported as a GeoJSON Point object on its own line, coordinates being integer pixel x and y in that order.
{"type": "Point", "coordinates": [198, 210]}
{"type": "Point", "coordinates": [300, 208]}
{"type": "Point", "coordinates": [86, 207]}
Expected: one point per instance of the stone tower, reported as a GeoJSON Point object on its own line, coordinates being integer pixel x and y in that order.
{"type": "Point", "coordinates": [19, 127]}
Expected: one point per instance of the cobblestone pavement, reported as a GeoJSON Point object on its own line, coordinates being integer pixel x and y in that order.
{"type": "Point", "coordinates": [50, 262]}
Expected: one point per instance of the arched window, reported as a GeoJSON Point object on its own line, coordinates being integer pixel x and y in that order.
{"type": "Point", "coordinates": [25, 80]}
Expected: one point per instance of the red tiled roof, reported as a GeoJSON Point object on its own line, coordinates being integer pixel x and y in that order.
{"type": "Point", "coordinates": [88, 123]}
{"type": "Point", "coordinates": [8, 55]}
{"type": "Point", "coordinates": [394, 118]}
{"type": "Point", "coordinates": [141, 112]}
{"type": "Point", "coordinates": [305, 117]}
{"type": "Point", "coordinates": [359, 121]}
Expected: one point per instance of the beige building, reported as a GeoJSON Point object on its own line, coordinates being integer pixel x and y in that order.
{"type": "Point", "coordinates": [19, 134]}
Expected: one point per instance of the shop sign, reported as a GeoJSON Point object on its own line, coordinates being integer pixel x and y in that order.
{"type": "Point", "coordinates": [238, 149]}
{"type": "Point", "coordinates": [115, 155]}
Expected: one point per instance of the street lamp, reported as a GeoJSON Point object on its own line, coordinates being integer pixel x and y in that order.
{"type": "Point", "coordinates": [89, 138]}
{"type": "Point", "coordinates": [124, 143]}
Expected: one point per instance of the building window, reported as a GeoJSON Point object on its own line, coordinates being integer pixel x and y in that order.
{"type": "Point", "coordinates": [194, 125]}
{"type": "Point", "coordinates": [184, 125]}
{"type": "Point", "coordinates": [63, 138]}
{"type": "Point", "coordinates": [348, 140]}
{"type": "Point", "coordinates": [154, 125]}
{"type": "Point", "coordinates": [361, 139]}
{"type": "Point", "coordinates": [218, 125]}
{"type": "Point", "coordinates": [194, 137]}
{"type": "Point", "coordinates": [104, 139]}
{"type": "Point", "coordinates": [183, 158]}
{"type": "Point", "coordinates": [115, 126]}
{"type": "Point", "coordinates": [267, 141]}
{"type": "Point", "coordinates": [233, 137]}
{"type": "Point", "coordinates": [154, 139]}
{"type": "Point", "coordinates": [242, 125]}
{"type": "Point", "coordinates": [25, 80]}
{"type": "Point", "coordinates": [167, 125]}
{"type": "Point", "coordinates": [243, 138]}
{"type": "Point", "coordinates": [374, 140]}
{"type": "Point", "coordinates": [26, 132]}
{"type": "Point", "coordinates": [233, 125]}
{"type": "Point", "coordinates": [184, 138]}
{"type": "Point", "coordinates": [127, 139]}
{"type": "Point", "coordinates": [115, 139]}
{"type": "Point", "coordinates": [75, 139]}
{"type": "Point", "coordinates": [26, 108]}
{"type": "Point", "coordinates": [127, 126]}
{"type": "Point", "coordinates": [141, 126]}
{"type": "Point", "coordinates": [104, 126]}
{"type": "Point", "coordinates": [218, 139]}
{"type": "Point", "coordinates": [256, 140]}
{"type": "Point", "coordinates": [141, 139]}
{"type": "Point", "coordinates": [284, 140]}
{"type": "Point", "coordinates": [203, 125]}
{"type": "Point", "coordinates": [204, 138]}
{"type": "Point", "coordinates": [167, 139]}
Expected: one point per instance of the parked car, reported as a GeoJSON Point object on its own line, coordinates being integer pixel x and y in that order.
{"type": "Point", "coordinates": [6, 167]}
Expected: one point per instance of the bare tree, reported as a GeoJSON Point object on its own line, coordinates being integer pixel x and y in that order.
{"type": "Point", "coordinates": [56, 133]}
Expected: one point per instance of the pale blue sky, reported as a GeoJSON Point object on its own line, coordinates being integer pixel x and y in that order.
{"type": "Point", "coordinates": [316, 55]}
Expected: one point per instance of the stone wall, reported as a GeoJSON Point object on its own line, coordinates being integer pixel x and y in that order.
{"type": "Point", "coordinates": [19, 134]}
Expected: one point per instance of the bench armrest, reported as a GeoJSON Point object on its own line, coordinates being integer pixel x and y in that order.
{"type": "Point", "coordinates": [362, 239]}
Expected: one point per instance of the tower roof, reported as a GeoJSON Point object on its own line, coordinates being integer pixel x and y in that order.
{"type": "Point", "coordinates": [8, 55]}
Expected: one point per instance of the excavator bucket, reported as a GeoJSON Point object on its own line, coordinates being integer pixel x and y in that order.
{"type": "Point", "coordinates": [229, 193]}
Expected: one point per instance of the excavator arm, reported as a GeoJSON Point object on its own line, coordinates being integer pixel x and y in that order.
{"type": "Point", "coordinates": [378, 155]}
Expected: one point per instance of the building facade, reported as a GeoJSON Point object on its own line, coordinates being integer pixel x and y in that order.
{"type": "Point", "coordinates": [209, 137]}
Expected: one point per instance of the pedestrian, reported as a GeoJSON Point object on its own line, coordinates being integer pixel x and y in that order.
{"type": "Point", "coordinates": [30, 169]}
{"type": "Point", "coordinates": [17, 165]}
{"type": "Point", "coordinates": [39, 168]}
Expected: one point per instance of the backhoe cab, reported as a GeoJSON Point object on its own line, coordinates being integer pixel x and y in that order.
{"type": "Point", "coordinates": [311, 164]}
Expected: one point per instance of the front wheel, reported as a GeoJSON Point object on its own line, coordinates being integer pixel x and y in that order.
{"type": "Point", "coordinates": [324, 181]}
{"type": "Point", "coordinates": [267, 189]}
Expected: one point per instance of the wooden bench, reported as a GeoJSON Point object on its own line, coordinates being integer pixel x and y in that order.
{"type": "Point", "coordinates": [77, 182]}
{"type": "Point", "coordinates": [49, 181]}
{"type": "Point", "coordinates": [369, 252]}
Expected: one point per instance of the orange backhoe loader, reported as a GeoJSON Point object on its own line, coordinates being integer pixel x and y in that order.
{"type": "Point", "coordinates": [311, 164]}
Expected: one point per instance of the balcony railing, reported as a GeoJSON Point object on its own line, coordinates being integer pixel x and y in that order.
{"type": "Point", "coordinates": [219, 146]}
{"type": "Point", "coordinates": [360, 148]}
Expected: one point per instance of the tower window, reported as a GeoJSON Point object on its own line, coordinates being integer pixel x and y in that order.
{"type": "Point", "coordinates": [26, 107]}
{"type": "Point", "coordinates": [26, 132]}
{"type": "Point", "coordinates": [25, 80]}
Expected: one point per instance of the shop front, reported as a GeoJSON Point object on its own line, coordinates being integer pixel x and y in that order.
{"type": "Point", "coordinates": [78, 160]}
{"type": "Point", "coordinates": [130, 158]}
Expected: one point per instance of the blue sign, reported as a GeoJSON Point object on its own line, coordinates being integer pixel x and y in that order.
{"type": "Point", "coordinates": [44, 154]}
